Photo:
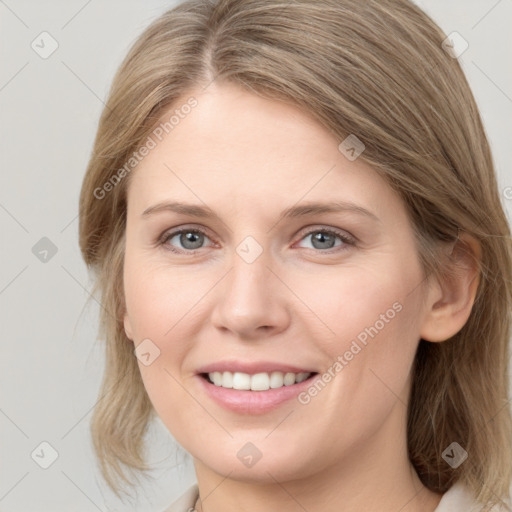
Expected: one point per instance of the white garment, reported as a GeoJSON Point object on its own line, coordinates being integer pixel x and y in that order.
{"type": "Point", "coordinates": [456, 499]}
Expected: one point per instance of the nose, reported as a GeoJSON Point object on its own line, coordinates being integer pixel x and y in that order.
{"type": "Point", "coordinates": [251, 301]}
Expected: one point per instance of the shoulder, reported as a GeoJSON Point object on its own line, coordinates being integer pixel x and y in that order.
{"type": "Point", "coordinates": [459, 498]}
{"type": "Point", "coordinates": [186, 502]}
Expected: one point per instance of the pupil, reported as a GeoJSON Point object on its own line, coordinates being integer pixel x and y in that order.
{"type": "Point", "coordinates": [189, 238]}
{"type": "Point", "coordinates": [322, 237]}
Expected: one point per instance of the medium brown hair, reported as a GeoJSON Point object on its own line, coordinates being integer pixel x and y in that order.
{"type": "Point", "coordinates": [376, 69]}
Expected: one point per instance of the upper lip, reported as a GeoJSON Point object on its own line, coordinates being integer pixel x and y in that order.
{"type": "Point", "coordinates": [251, 367]}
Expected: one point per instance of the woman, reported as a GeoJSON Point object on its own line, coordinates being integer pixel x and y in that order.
{"type": "Point", "coordinates": [293, 217]}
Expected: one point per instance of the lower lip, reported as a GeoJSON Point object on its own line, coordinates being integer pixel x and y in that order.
{"type": "Point", "coordinates": [253, 402]}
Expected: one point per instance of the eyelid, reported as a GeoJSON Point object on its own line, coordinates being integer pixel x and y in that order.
{"type": "Point", "coordinates": [172, 232]}
{"type": "Point", "coordinates": [342, 233]}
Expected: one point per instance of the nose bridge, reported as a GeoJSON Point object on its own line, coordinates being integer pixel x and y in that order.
{"type": "Point", "coordinates": [249, 298]}
{"type": "Point", "coordinates": [249, 283]}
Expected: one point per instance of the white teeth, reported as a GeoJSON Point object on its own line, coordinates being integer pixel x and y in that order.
{"type": "Point", "coordinates": [241, 380]}
{"type": "Point", "coordinates": [227, 380]}
{"type": "Point", "coordinates": [260, 382]}
{"type": "Point", "coordinates": [302, 376]}
{"type": "Point", "coordinates": [276, 380]}
{"type": "Point", "coordinates": [289, 379]}
{"type": "Point", "coordinates": [257, 382]}
{"type": "Point", "coordinates": [217, 378]}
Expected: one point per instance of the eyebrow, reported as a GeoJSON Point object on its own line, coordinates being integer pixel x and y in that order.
{"type": "Point", "coordinates": [302, 210]}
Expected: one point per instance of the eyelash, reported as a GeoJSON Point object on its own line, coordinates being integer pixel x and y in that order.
{"type": "Point", "coordinates": [347, 240]}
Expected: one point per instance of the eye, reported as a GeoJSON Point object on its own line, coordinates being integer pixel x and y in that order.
{"type": "Point", "coordinates": [190, 240]}
{"type": "Point", "coordinates": [324, 239]}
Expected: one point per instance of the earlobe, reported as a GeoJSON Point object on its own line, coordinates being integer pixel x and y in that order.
{"type": "Point", "coordinates": [450, 302]}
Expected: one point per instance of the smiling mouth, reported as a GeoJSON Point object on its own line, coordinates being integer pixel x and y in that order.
{"type": "Point", "coordinates": [255, 382]}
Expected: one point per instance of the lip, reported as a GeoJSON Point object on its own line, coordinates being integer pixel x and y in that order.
{"type": "Point", "coordinates": [252, 367]}
{"type": "Point", "coordinates": [253, 402]}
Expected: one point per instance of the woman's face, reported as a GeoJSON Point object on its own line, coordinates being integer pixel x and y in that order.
{"type": "Point", "coordinates": [262, 283]}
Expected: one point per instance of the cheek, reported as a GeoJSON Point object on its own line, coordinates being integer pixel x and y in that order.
{"type": "Point", "coordinates": [164, 305]}
{"type": "Point", "coordinates": [157, 303]}
{"type": "Point", "coordinates": [356, 300]}
{"type": "Point", "coordinates": [158, 299]}
{"type": "Point", "coordinates": [373, 315]}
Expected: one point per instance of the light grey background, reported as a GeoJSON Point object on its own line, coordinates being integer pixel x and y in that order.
{"type": "Point", "coordinates": [51, 364]}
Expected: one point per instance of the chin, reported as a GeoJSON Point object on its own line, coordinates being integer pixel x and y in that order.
{"type": "Point", "coordinates": [247, 463]}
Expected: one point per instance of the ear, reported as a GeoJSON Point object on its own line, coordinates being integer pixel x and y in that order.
{"type": "Point", "coordinates": [128, 326]}
{"type": "Point", "coordinates": [449, 303]}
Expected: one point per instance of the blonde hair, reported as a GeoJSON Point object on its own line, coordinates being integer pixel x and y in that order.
{"type": "Point", "coordinates": [371, 68]}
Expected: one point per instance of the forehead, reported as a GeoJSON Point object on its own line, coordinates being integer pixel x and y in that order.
{"type": "Point", "coordinates": [237, 150]}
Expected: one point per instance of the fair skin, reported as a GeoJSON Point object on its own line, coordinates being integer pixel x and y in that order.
{"type": "Point", "coordinates": [298, 303]}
